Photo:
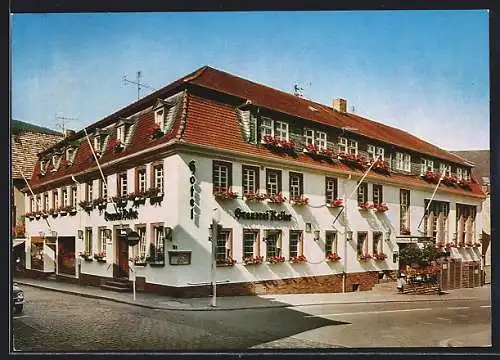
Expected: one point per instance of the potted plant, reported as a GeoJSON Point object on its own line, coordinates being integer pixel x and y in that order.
{"type": "Point", "coordinates": [253, 260]}
{"type": "Point", "coordinates": [139, 260]}
{"type": "Point", "coordinates": [278, 198]}
{"type": "Point", "coordinates": [380, 256]}
{"type": "Point", "coordinates": [299, 200]}
{"type": "Point", "coordinates": [298, 259]}
{"type": "Point", "coordinates": [86, 206]}
{"type": "Point", "coordinates": [332, 256]}
{"type": "Point", "coordinates": [364, 257]}
{"type": "Point", "coordinates": [254, 196]}
{"type": "Point", "coordinates": [337, 202]}
{"type": "Point", "coordinates": [157, 132]}
{"type": "Point", "coordinates": [86, 256]}
{"type": "Point", "coordinates": [224, 194]}
{"type": "Point", "coordinates": [100, 256]}
{"type": "Point", "coordinates": [381, 207]}
{"type": "Point", "coordinates": [276, 259]}
{"type": "Point", "coordinates": [363, 206]}
{"type": "Point", "coordinates": [118, 147]}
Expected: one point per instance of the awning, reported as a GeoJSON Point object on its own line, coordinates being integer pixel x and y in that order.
{"type": "Point", "coordinates": [16, 242]}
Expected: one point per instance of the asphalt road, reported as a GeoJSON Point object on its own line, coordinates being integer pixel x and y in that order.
{"type": "Point", "coordinates": [57, 322]}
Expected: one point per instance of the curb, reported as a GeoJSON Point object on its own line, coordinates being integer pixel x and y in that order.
{"type": "Point", "coordinates": [209, 308]}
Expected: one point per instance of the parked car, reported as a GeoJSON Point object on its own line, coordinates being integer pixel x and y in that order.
{"type": "Point", "coordinates": [17, 298]}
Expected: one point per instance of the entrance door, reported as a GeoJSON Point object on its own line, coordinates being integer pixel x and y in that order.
{"type": "Point", "coordinates": [122, 255]}
{"type": "Point", "coordinates": [66, 264]}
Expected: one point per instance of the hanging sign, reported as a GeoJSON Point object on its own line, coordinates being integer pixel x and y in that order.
{"type": "Point", "coordinates": [271, 215]}
{"type": "Point", "coordinates": [122, 214]}
{"type": "Point", "coordinates": [132, 238]}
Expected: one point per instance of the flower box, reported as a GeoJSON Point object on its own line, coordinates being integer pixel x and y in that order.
{"type": "Point", "coordinates": [118, 147]}
{"type": "Point", "coordinates": [277, 144]}
{"type": "Point", "coordinates": [139, 261]}
{"type": "Point", "coordinates": [405, 232]}
{"type": "Point", "coordinates": [353, 161]}
{"type": "Point", "coordinates": [276, 260]}
{"type": "Point", "coordinates": [364, 257]}
{"type": "Point", "coordinates": [450, 180]}
{"type": "Point", "coordinates": [86, 206]}
{"type": "Point", "coordinates": [431, 177]}
{"type": "Point", "coordinates": [335, 203]}
{"type": "Point", "coordinates": [450, 245]}
{"type": "Point", "coordinates": [299, 201]}
{"type": "Point", "coordinates": [254, 197]}
{"type": "Point", "coordinates": [156, 200]}
{"type": "Point", "coordinates": [300, 259]}
{"type": "Point", "coordinates": [253, 260]}
{"type": "Point", "coordinates": [86, 256]}
{"type": "Point", "coordinates": [157, 133]}
{"type": "Point", "coordinates": [222, 194]}
{"type": "Point", "coordinates": [100, 256]}
{"type": "Point", "coordinates": [380, 166]}
{"type": "Point", "coordinates": [225, 262]}
{"type": "Point", "coordinates": [120, 201]}
{"type": "Point", "coordinates": [465, 184]}
{"type": "Point", "coordinates": [380, 256]}
{"type": "Point", "coordinates": [365, 206]}
{"type": "Point", "coordinates": [332, 257]}
{"type": "Point", "coordinates": [381, 207]}
{"type": "Point", "coordinates": [278, 198]}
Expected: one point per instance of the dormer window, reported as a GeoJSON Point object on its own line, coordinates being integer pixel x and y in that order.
{"type": "Point", "coordinates": [270, 127]}
{"type": "Point", "coordinates": [56, 161]}
{"type": "Point", "coordinates": [317, 138]}
{"type": "Point", "coordinates": [427, 165]}
{"type": "Point", "coordinates": [164, 115]}
{"type": "Point", "coordinates": [100, 136]}
{"type": "Point", "coordinates": [403, 162]}
{"type": "Point", "coordinates": [98, 144]}
{"type": "Point", "coordinates": [43, 166]}
{"type": "Point", "coordinates": [352, 147]}
{"type": "Point", "coordinates": [462, 174]}
{"type": "Point", "coordinates": [445, 169]}
{"type": "Point", "coordinates": [160, 118]}
{"type": "Point", "coordinates": [375, 151]}
{"type": "Point", "coordinates": [120, 133]}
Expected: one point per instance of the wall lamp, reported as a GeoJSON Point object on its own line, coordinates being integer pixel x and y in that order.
{"type": "Point", "coordinates": [316, 235]}
{"type": "Point", "coordinates": [348, 236]}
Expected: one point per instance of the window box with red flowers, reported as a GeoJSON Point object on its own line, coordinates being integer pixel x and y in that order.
{"type": "Point", "coordinates": [449, 245]}
{"type": "Point", "coordinates": [299, 201]}
{"type": "Point", "coordinates": [353, 161]}
{"type": "Point", "coordinates": [255, 197]}
{"type": "Point", "coordinates": [333, 257]}
{"type": "Point", "coordinates": [381, 207]}
{"type": "Point", "coordinates": [256, 260]}
{"type": "Point", "coordinates": [100, 256]}
{"type": "Point", "coordinates": [300, 259]}
{"type": "Point", "coordinates": [276, 260]}
{"type": "Point", "coordinates": [157, 132]}
{"type": "Point", "coordinates": [30, 215]}
{"type": "Point", "coordinates": [138, 198]}
{"type": "Point", "coordinates": [310, 149]}
{"type": "Point", "coordinates": [224, 194]}
{"type": "Point", "coordinates": [86, 206]}
{"type": "Point", "coordinates": [432, 177]}
{"type": "Point", "coordinates": [465, 184]}
{"type": "Point", "coordinates": [139, 260]}
{"type": "Point", "coordinates": [380, 256]}
{"type": "Point", "coordinates": [277, 144]}
{"type": "Point", "coordinates": [277, 199]}
{"type": "Point", "coordinates": [85, 255]}
{"type": "Point", "coordinates": [63, 210]}
{"type": "Point", "coordinates": [54, 212]}
{"type": "Point", "coordinates": [380, 166]}
{"type": "Point", "coordinates": [225, 262]}
{"type": "Point", "coordinates": [364, 257]}
{"type": "Point", "coordinates": [118, 147]}
{"type": "Point", "coordinates": [450, 180]}
{"type": "Point", "coordinates": [364, 206]}
{"type": "Point", "coordinates": [335, 203]}
{"type": "Point", "coordinates": [155, 196]}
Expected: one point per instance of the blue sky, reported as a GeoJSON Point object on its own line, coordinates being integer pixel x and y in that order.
{"type": "Point", "coordinates": [426, 72]}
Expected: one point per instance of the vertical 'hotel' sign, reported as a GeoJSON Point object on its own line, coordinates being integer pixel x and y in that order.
{"type": "Point", "coordinates": [192, 181]}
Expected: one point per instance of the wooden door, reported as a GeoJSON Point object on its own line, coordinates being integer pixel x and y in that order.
{"type": "Point", "coordinates": [122, 256]}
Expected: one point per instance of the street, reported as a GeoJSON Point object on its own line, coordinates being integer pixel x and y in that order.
{"type": "Point", "coordinates": [54, 321]}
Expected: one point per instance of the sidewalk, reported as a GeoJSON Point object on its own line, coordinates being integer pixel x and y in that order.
{"type": "Point", "coordinates": [154, 301]}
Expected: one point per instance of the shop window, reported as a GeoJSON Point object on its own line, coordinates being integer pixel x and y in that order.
{"type": "Point", "coordinates": [251, 246]}
{"type": "Point", "coordinates": [362, 244]}
{"type": "Point", "coordinates": [296, 184]}
{"type": "Point", "coordinates": [273, 182]}
{"type": "Point", "coordinates": [250, 179]}
{"type": "Point", "coordinates": [273, 243]}
{"type": "Point", "coordinates": [296, 246]}
{"type": "Point", "coordinates": [221, 176]}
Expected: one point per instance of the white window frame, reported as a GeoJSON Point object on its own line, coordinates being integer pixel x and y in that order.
{"type": "Point", "coordinates": [69, 154]}
{"type": "Point", "coordinates": [309, 136]}
{"type": "Point", "coordinates": [295, 185]}
{"type": "Point", "coordinates": [46, 201]}
{"type": "Point", "coordinates": [55, 199]}
{"type": "Point", "coordinates": [103, 189]}
{"type": "Point", "coordinates": [160, 117]}
{"type": "Point", "coordinates": [250, 180]}
{"type": "Point", "coordinates": [378, 242]}
{"type": "Point", "coordinates": [221, 177]}
{"type": "Point", "coordinates": [89, 190]}
{"type": "Point", "coordinates": [267, 127]}
{"type": "Point", "coordinates": [158, 177]}
{"type": "Point", "coordinates": [255, 243]}
{"type": "Point", "coordinates": [459, 173]}
{"type": "Point", "coordinates": [444, 168]}
{"type": "Point", "coordinates": [280, 128]}
{"type": "Point", "coordinates": [320, 140]}
{"type": "Point", "coordinates": [300, 245]}
{"type": "Point", "coordinates": [426, 165]}
{"type": "Point", "coordinates": [74, 196]}
{"type": "Point", "coordinates": [374, 151]}
{"type": "Point", "coordinates": [65, 197]}
{"type": "Point", "coordinates": [122, 179]}
{"type": "Point", "coordinates": [403, 161]}
{"type": "Point", "coordinates": [342, 144]}
{"type": "Point", "coordinates": [377, 194]}
{"type": "Point", "coordinates": [88, 240]}
{"type": "Point", "coordinates": [272, 182]}
{"type": "Point", "coordinates": [333, 247]}
{"type": "Point", "coordinates": [352, 147]}
{"type": "Point", "coordinates": [141, 180]}
{"type": "Point", "coordinates": [98, 141]}
{"type": "Point", "coordinates": [102, 240]}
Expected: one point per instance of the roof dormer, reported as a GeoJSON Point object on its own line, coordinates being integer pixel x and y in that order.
{"type": "Point", "coordinates": [100, 136]}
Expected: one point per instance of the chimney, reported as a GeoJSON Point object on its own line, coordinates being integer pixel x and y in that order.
{"type": "Point", "coordinates": [68, 133]}
{"type": "Point", "coordinates": [340, 105]}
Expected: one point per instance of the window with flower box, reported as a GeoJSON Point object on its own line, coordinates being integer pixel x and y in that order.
{"type": "Point", "coordinates": [46, 201]}
{"type": "Point", "coordinates": [55, 199]}
{"type": "Point", "coordinates": [157, 245]}
{"type": "Point", "coordinates": [157, 177]}
{"type": "Point", "coordinates": [270, 127]}
{"type": "Point", "coordinates": [267, 127]}
{"type": "Point", "coordinates": [250, 179]}
{"type": "Point", "coordinates": [363, 193]}
{"type": "Point", "coordinates": [140, 251]}
{"type": "Point", "coordinates": [221, 176]}
{"type": "Point", "coordinates": [281, 130]}
{"type": "Point", "coordinates": [140, 180]}
{"type": "Point", "coordinates": [352, 147]}
{"type": "Point", "coordinates": [251, 244]}
{"type": "Point", "coordinates": [65, 197]}
{"type": "Point", "coordinates": [88, 240]}
{"type": "Point", "coordinates": [403, 162]}
{"type": "Point", "coordinates": [331, 242]}
{"type": "Point", "coordinates": [296, 245]}
{"type": "Point", "coordinates": [89, 191]}
{"type": "Point", "coordinates": [377, 242]}
{"type": "Point", "coordinates": [362, 243]}
{"type": "Point", "coordinates": [316, 138]}
{"type": "Point", "coordinates": [296, 185]}
{"type": "Point", "coordinates": [377, 194]}
{"type": "Point", "coordinates": [102, 240]}
{"type": "Point", "coordinates": [342, 144]}
{"type": "Point", "coordinates": [404, 211]}
{"type": "Point", "coordinates": [465, 224]}
{"type": "Point", "coordinates": [273, 243]}
{"type": "Point", "coordinates": [436, 220]}
{"type": "Point", "coordinates": [445, 169]}
{"type": "Point", "coordinates": [103, 189]}
{"type": "Point", "coordinates": [122, 184]}
{"type": "Point", "coordinates": [331, 186]}
{"type": "Point", "coordinates": [223, 247]}
{"type": "Point", "coordinates": [427, 165]}
{"type": "Point", "coordinates": [273, 182]}
{"type": "Point", "coordinates": [74, 196]}
{"type": "Point", "coordinates": [375, 151]}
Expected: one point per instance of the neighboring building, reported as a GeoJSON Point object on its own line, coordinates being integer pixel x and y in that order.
{"type": "Point", "coordinates": [208, 146]}
{"type": "Point", "coordinates": [481, 171]}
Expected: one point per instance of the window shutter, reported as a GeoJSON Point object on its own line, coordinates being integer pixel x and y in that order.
{"type": "Point", "coordinates": [245, 124]}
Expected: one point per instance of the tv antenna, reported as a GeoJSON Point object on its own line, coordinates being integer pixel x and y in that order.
{"type": "Point", "coordinates": [137, 82]}
{"type": "Point", "coordinates": [61, 122]}
{"type": "Point", "coordinates": [299, 90]}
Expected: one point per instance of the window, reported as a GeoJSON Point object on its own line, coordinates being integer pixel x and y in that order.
{"type": "Point", "coordinates": [404, 211]}
{"type": "Point", "coordinates": [157, 246]}
{"type": "Point", "coordinates": [160, 118]}
{"type": "Point", "coordinates": [121, 133]}
{"type": "Point", "coordinates": [223, 247]}
{"type": "Point", "coordinates": [98, 143]}
{"type": "Point", "coordinates": [444, 169]}
{"type": "Point", "coordinates": [296, 183]}
{"type": "Point", "coordinates": [32, 204]}
{"type": "Point", "coordinates": [273, 182]}
{"type": "Point", "coordinates": [46, 201]}
{"type": "Point", "coordinates": [353, 147]}
{"type": "Point", "coordinates": [251, 246]}
{"type": "Point", "coordinates": [362, 244]}
{"type": "Point", "coordinates": [56, 160]}
{"type": "Point", "coordinates": [38, 203]}
{"type": "Point", "coordinates": [331, 242]}
{"type": "Point", "coordinates": [330, 189]}
{"type": "Point", "coordinates": [436, 220]}
{"type": "Point", "coordinates": [318, 138]}
{"type": "Point", "coordinates": [140, 180]}
{"type": "Point", "coordinates": [101, 241]}
{"type": "Point", "coordinates": [375, 151]}
{"type": "Point", "coordinates": [342, 144]}
{"type": "Point", "coordinates": [122, 184]}
{"type": "Point", "coordinates": [296, 247]}
{"type": "Point", "coordinates": [158, 177]}
{"type": "Point", "coordinates": [141, 250]}
{"type": "Point", "coordinates": [377, 194]}
{"type": "Point", "coordinates": [363, 193]}
{"type": "Point", "coordinates": [377, 243]}
{"type": "Point", "coordinates": [65, 197]}
{"type": "Point", "coordinates": [74, 196]}
{"type": "Point", "coordinates": [267, 127]}
{"type": "Point", "coordinates": [250, 179]}
{"type": "Point", "coordinates": [466, 224]}
{"type": "Point", "coordinates": [281, 130]}
{"type": "Point", "coordinates": [403, 161]}
{"type": "Point", "coordinates": [427, 165]}
{"type": "Point", "coordinates": [89, 191]}
{"type": "Point", "coordinates": [466, 174]}
{"type": "Point", "coordinates": [69, 154]}
{"type": "Point", "coordinates": [103, 189]}
{"type": "Point", "coordinates": [221, 176]}
{"type": "Point", "coordinates": [55, 199]}
{"type": "Point", "coordinates": [43, 166]}
{"type": "Point", "coordinates": [273, 243]}
{"type": "Point", "coordinates": [88, 240]}
{"type": "Point", "coordinates": [309, 136]}
{"type": "Point", "coordinates": [459, 173]}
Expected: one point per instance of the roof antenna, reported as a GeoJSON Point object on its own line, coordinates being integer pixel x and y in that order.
{"type": "Point", "coordinates": [353, 109]}
{"type": "Point", "coordinates": [138, 83]}
{"type": "Point", "coordinates": [298, 91]}
{"type": "Point", "coordinates": [62, 122]}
